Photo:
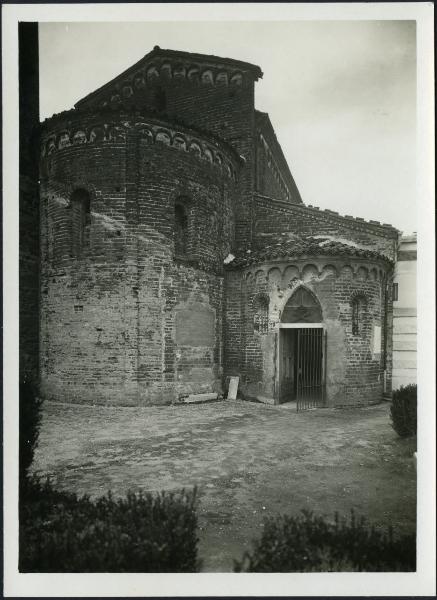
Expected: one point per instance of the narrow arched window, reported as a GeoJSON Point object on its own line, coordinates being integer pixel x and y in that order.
{"type": "Point", "coordinates": [261, 314]}
{"type": "Point", "coordinates": [358, 314]}
{"type": "Point", "coordinates": [180, 230]}
{"type": "Point", "coordinates": [80, 219]}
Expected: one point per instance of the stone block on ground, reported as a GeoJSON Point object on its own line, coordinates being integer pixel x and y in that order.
{"type": "Point", "coordinates": [197, 398]}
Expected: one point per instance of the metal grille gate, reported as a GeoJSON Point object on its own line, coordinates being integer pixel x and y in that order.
{"type": "Point", "coordinates": [311, 368]}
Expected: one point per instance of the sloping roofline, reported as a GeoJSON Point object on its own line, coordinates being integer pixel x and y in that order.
{"type": "Point", "coordinates": [157, 51]}
{"type": "Point", "coordinates": [308, 246]}
{"type": "Point", "coordinates": [263, 121]}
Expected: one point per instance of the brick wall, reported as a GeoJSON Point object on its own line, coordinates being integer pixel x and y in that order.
{"type": "Point", "coordinates": [228, 113]}
{"type": "Point", "coordinates": [220, 107]}
{"type": "Point", "coordinates": [268, 179]}
{"type": "Point", "coordinates": [28, 200]}
{"type": "Point", "coordinates": [273, 176]}
{"type": "Point", "coordinates": [112, 318]}
{"type": "Point", "coordinates": [125, 319]}
{"type": "Point", "coordinates": [355, 367]}
{"type": "Point", "coordinates": [275, 220]}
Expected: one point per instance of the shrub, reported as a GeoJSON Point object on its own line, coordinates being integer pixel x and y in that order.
{"type": "Point", "coordinates": [403, 410]}
{"type": "Point", "coordinates": [308, 543]}
{"type": "Point", "coordinates": [29, 423]}
{"type": "Point", "coordinates": [60, 532]}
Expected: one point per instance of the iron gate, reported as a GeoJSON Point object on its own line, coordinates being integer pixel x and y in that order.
{"type": "Point", "coordinates": [311, 368]}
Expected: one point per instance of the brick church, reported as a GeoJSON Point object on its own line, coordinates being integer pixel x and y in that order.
{"type": "Point", "coordinates": [176, 251]}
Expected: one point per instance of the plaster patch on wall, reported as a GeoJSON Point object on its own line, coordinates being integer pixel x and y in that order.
{"type": "Point", "coordinates": [342, 240]}
{"type": "Point", "coordinates": [324, 274]}
{"type": "Point", "coordinates": [376, 339]}
{"type": "Point", "coordinates": [195, 326]}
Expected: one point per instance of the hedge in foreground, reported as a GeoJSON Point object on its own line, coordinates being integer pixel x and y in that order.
{"type": "Point", "coordinates": [308, 543]}
{"type": "Point", "coordinates": [60, 532]}
{"type": "Point", "coordinates": [403, 410]}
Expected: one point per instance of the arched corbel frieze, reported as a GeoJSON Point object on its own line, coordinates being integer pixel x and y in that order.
{"type": "Point", "coordinates": [291, 274]}
{"type": "Point", "coordinates": [347, 272]}
{"type": "Point", "coordinates": [274, 277]}
{"type": "Point", "coordinates": [309, 272]}
{"type": "Point", "coordinates": [329, 270]}
{"type": "Point", "coordinates": [149, 133]}
{"type": "Point", "coordinates": [362, 273]}
{"type": "Point", "coordinates": [63, 140]}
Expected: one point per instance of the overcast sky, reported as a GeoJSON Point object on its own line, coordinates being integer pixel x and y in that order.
{"type": "Point", "coordinates": [341, 96]}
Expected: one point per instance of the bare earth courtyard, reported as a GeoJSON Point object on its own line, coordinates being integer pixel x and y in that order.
{"type": "Point", "coordinates": [248, 461]}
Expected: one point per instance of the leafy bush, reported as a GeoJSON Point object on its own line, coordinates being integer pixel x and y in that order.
{"type": "Point", "coordinates": [308, 543]}
{"type": "Point", "coordinates": [60, 532]}
{"type": "Point", "coordinates": [30, 420]}
{"type": "Point", "coordinates": [403, 410]}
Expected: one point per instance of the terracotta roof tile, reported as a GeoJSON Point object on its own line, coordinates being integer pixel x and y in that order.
{"type": "Point", "coordinates": [308, 246]}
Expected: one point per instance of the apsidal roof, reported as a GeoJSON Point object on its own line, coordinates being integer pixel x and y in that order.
{"type": "Point", "coordinates": [298, 246]}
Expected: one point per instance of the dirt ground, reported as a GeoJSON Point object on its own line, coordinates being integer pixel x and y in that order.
{"type": "Point", "coordinates": [248, 461]}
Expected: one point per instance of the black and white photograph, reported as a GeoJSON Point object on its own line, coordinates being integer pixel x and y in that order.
{"type": "Point", "coordinates": [219, 294]}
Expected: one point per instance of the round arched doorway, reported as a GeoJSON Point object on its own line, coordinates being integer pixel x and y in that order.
{"type": "Point", "coordinates": [302, 344]}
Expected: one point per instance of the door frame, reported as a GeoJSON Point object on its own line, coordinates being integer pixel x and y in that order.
{"type": "Point", "coordinates": [280, 326]}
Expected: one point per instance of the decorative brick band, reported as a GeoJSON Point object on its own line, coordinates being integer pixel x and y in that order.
{"type": "Point", "coordinates": [150, 131]}
{"type": "Point", "coordinates": [307, 269]}
{"type": "Point", "coordinates": [165, 70]}
{"type": "Point", "coordinates": [179, 70]}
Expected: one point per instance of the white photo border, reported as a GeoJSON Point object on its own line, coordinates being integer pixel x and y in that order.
{"type": "Point", "coordinates": [420, 583]}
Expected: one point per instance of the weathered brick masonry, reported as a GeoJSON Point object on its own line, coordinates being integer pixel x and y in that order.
{"type": "Point", "coordinates": [28, 201]}
{"type": "Point", "coordinates": [357, 372]}
{"type": "Point", "coordinates": [273, 177]}
{"type": "Point", "coordinates": [276, 220]}
{"type": "Point", "coordinates": [147, 186]}
{"type": "Point", "coordinates": [208, 93]}
{"type": "Point", "coordinates": [109, 327]}
{"type": "Point", "coordinates": [356, 368]}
